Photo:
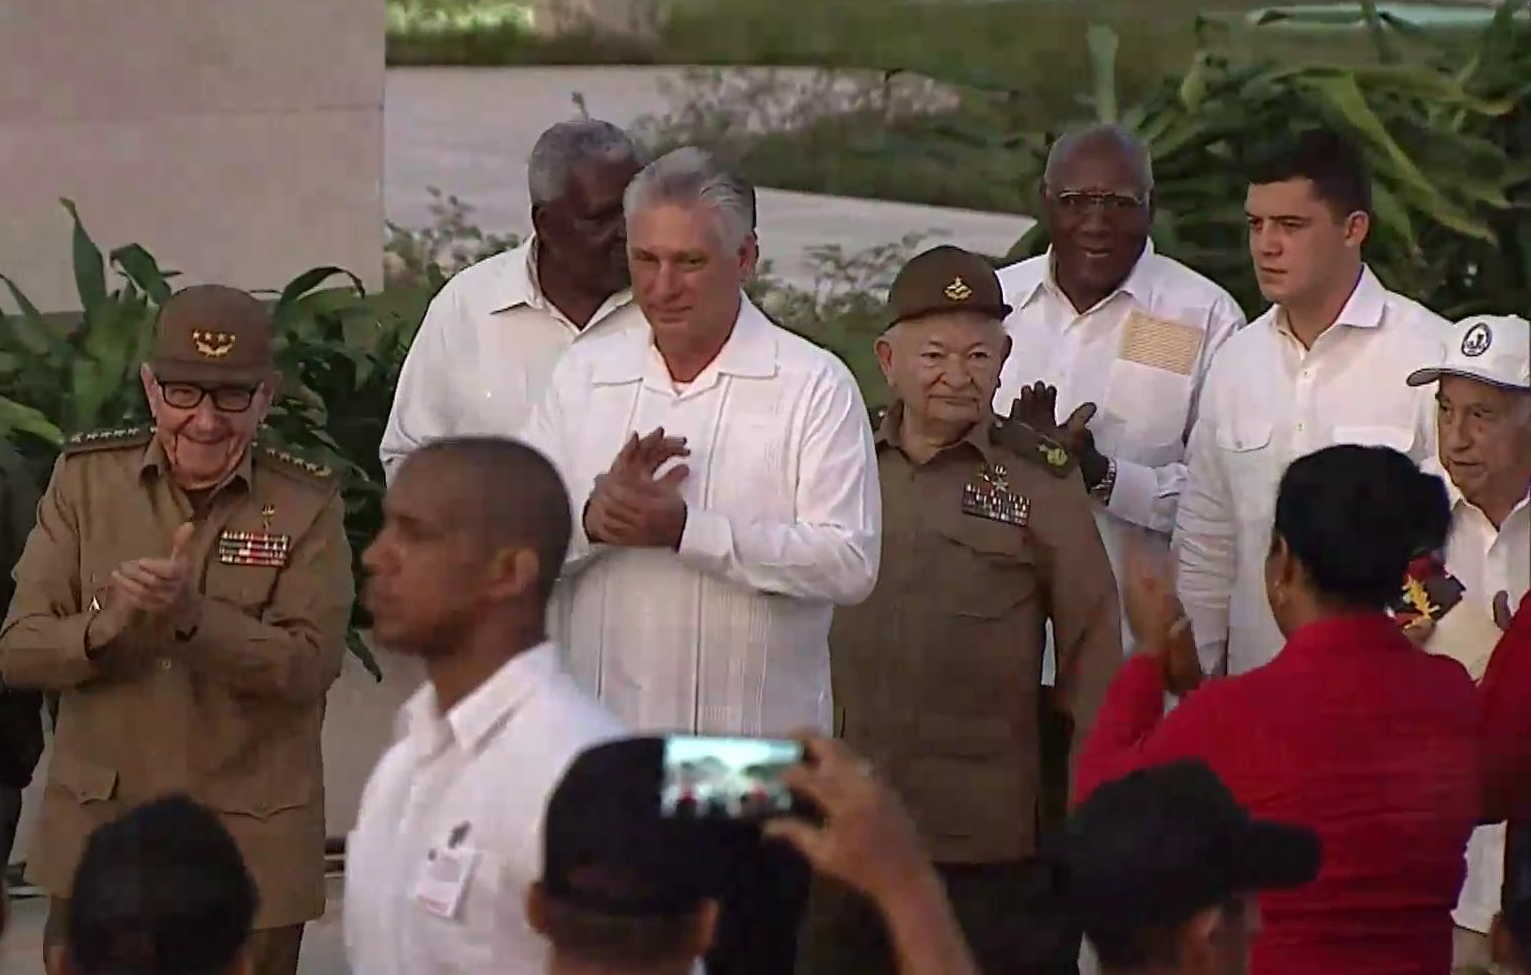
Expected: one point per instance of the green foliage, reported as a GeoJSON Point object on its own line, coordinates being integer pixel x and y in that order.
{"type": "Point", "coordinates": [339, 348]}
{"type": "Point", "coordinates": [426, 257]}
{"type": "Point", "coordinates": [1447, 141]}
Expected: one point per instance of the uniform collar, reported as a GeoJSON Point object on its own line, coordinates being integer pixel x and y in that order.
{"type": "Point", "coordinates": [516, 283]}
{"type": "Point", "coordinates": [1138, 282]}
{"type": "Point", "coordinates": [477, 716]}
{"type": "Point", "coordinates": [155, 460]}
{"type": "Point", "coordinates": [977, 437]}
{"type": "Point", "coordinates": [750, 352]}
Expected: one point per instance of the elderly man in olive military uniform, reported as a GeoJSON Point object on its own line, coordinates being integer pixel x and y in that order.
{"type": "Point", "coordinates": [188, 594]}
{"type": "Point", "coordinates": [987, 535]}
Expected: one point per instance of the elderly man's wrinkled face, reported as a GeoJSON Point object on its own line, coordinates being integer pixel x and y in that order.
{"type": "Point", "coordinates": [686, 277]}
{"type": "Point", "coordinates": [1098, 213]}
{"type": "Point", "coordinates": [944, 367]}
{"type": "Point", "coordinates": [1485, 438]}
{"type": "Point", "coordinates": [205, 429]}
{"type": "Point", "coordinates": [584, 230]}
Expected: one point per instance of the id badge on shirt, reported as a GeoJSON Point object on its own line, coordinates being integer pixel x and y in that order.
{"type": "Point", "coordinates": [445, 879]}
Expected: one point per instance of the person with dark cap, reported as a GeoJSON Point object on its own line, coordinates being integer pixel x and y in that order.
{"type": "Point", "coordinates": [936, 676]}
{"type": "Point", "coordinates": [187, 591]}
{"type": "Point", "coordinates": [1162, 868]}
{"type": "Point", "coordinates": [1351, 729]}
{"type": "Point", "coordinates": [626, 890]}
{"type": "Point", "coordinates": [161, 891]}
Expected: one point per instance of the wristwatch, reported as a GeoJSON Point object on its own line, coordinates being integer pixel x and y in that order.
{"type": "Point", "coordinates": [1102, 490]}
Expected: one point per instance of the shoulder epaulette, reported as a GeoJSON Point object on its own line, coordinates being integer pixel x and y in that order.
{"type": "Point", "coordinates": [108, 439]}
{"type": "Point", "coordinates": [294, 464]}
{"type": "Point", "coordinates": [1030, 445]}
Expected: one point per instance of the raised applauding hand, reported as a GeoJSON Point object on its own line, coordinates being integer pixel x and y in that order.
{"type": "Point", "coordinates": [1158, 621]}
{"type": "Point", "coordinates": [1037, 407]}
{"type": "Point", "coordinates": [630, 505]}
{"type": "Point", "coordinates": [157, 588]}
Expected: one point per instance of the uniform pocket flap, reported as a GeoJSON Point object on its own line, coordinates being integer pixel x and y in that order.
{"type": "Point", "coordinates": [1398, 438]}
{"type": "Point", "coordinates": [1245, 433]}
{"type": "Point", "coordinates": [85, 780]}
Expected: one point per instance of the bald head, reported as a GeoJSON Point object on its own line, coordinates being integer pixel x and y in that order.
{"type": "Point", "coordinates": [1096, 141]}
{"type": "Point", "coordinates": [504, 494]}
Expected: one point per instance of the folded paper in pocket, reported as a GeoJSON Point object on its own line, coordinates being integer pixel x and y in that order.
{"type": "Point", "coordinates": [1160, 343]}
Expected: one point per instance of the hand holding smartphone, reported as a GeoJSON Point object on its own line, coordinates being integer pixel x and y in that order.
{"type": "Point", "coordinates": [734, 778]}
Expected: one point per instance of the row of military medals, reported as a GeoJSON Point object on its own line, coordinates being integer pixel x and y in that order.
{"type": "Point", "coordinates": [988, 495]}
{"type": "Point", "coordinates": [262, 548]}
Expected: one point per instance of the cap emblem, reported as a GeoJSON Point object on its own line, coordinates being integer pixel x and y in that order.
{"type": "Point", "coordinates": [1477, 340]}
{"type": "Point", "coordinates": [958, 290]}
{"type": "Point", "coordinates": [213, 345]}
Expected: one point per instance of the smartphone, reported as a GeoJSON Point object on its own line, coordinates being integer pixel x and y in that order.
{"type": "Point", "coordinates": [726, 778]}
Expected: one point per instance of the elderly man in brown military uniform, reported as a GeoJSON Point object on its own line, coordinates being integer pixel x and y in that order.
{"type": "Point", "coordinates": [188, 594]}
{"type": "Point", "coordinates": [987, 535]}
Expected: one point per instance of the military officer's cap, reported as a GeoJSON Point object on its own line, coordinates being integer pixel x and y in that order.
{"type": "Point", "coordinates": [213, 334]}
{"type": "Point", "coordinates": [945, 279]}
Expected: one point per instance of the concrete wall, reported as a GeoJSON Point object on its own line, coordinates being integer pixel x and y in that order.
{"type": "Point", "coordinates": [241, 142]}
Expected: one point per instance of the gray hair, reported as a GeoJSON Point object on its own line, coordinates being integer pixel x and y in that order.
{"type": "Point", "coordinates": [690, 175]}
{"type": "Point", "coordinates": [568, 144]}
{"type": "Point", "coordinates": [1094, 136]}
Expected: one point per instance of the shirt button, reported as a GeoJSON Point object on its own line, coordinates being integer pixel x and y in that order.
{"type": "Point", "coordinates": [164, 663]}
{"type": "Point", "coordinates": [1301, 427]}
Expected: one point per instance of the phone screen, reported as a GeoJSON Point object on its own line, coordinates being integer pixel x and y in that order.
{"type": "Point", "coordinates": [726, 778]}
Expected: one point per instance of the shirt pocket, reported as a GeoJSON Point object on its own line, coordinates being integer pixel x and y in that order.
{"type": "Point", "coordinates": [249, 587]}
{"type": "Point", "coordinates": [1151, 403]}
{"type": "Point", "coordinates": [992, 567]}
{"type": "Point", "coordinates": [1248, 455]}
{"type": "Point", "coordinates": [1400, 439]}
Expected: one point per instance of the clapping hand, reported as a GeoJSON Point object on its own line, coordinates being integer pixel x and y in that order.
{"type": "Point", "coordinates": [1037, 407]}
{"type": "Point", "coordinates": [160, 588]}
{"type": "Point", "coordinates": [629, 505]}
{"type": "Point", "coordinates": [1158, 621]}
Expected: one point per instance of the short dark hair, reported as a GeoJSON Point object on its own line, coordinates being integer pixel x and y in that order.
{"type": "Point", "coordinates": [515, 497]}
{"type": "Point", "coordinates": [1355, 516]}
{"type": "Point", "coordinates": [608, 938]}
{"type": "Point", "coordinates": [1338, 173]}
{"type": "Point", "coordinates": [161, 891]}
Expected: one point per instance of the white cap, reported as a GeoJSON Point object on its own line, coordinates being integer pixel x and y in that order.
{"type": "Point", "coordinates": [1492, 348]}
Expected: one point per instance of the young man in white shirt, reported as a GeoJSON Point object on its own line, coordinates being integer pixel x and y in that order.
{"type": "Point", "coordinates": [1483, 417]}
{"type": "Point", "coordinates": [1104, 320]}
{"type": "Point", "coordinates": [448, 836]}
{"type": "Point", "coordinates": [1324, 365]}
{"type": "Point", "coordinates": [698, 595]}
{"type": "Point", "coordinates": [482, 355]}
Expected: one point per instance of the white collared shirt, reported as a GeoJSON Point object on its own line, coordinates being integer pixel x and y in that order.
{"type": "Point", "coordinates": [480, 775]}
{"type": "Point", "coordinates": [784, 515]}
{"type": "Point", "coordinates": [1486, 560]}
{"type": "Point", "coordinates": [1140, 355]}
{"type": "Point", "coordinates": [1267, 402]}
{"type": "Point", "coordinates": [483, 354]}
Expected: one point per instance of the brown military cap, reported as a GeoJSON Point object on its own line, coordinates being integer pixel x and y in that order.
{"type": "Point", "coordinates": [945, 278]}
{"type": "Point", "coordinates": [213, 334]}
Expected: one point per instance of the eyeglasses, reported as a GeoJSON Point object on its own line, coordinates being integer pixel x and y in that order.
{"type": "Point", "coordinates": [1081, 201]}
{"type": "Point", "coordinates": [189, 396]}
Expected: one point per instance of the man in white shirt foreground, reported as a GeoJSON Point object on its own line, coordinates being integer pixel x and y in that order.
{"type": "Point", "coordinates": [482, 355]}
{"type": "Point", "coordinates": [701, 599]}
{"type": "Point", "coordinates": [1483, 416]}
{"type": "Point", "coordinates": [1325, 365]}
{"type": "Point", "coordinates": [625, 891]}
{"type": "Point", "coordinates": [1105, 321]}
{"type": "Point", "coordinates": [447, 839]}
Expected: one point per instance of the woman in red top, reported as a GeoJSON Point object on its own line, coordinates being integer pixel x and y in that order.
{"type": "Point", "coordinates": [1351, 730]}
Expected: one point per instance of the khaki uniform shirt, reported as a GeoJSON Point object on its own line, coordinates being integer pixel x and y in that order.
{"type": "Point", "coordinates": [937, 673]}
{"type": "Point", "coordinates": [229, 713]}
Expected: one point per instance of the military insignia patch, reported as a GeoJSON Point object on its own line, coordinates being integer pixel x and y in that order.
{"type": "Point", "coordinates": [262, 548]}
{"type": "Point", "coordinates": [958, 290]}
{"type": "Point", "coordinates": [1477, 340]}
{"type": "Point", "coordinates": [213, 345]}
{"type": "Point", "coordinates": [988, 495]}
